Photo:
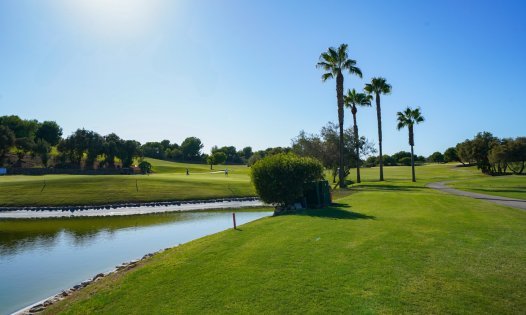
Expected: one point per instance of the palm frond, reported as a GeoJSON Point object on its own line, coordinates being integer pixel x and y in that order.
{"type": "Point", "coordinates": [326, 76]}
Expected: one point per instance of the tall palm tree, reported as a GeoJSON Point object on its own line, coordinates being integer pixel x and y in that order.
{"type": "Point", "coordinates": [408, 118]}
{"type": "Point", "coordinates": [352, 100]}
{"type": "Point", "coordinates": [334, 61]}
{"type": "Point", "coordinates": [379, 86]}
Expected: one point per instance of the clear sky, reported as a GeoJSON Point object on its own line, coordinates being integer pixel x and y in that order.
{"type": "Point", "coordinates": [243, 72]}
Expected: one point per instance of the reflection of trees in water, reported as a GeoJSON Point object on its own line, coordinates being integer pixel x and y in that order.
{"type": "Point", "coordinates": [27, 234]}
{"type": "Point", "coordinates": [12, 243]}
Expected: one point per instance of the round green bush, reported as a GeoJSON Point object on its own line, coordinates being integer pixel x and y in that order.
{"type": "Point", "coordinates": [279, 178]}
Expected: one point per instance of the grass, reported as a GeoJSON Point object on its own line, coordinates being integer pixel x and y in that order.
{"type": "Point", "coordinates": [507, 186]}
{"type": "Point", "coordinates": [169, 182]}
{"type": "Point", "coordinates": [391, 247]}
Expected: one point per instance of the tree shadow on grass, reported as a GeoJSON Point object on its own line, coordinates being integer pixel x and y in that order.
{"type": "Point", "coordinates": [334, 212]}
{"type": "Point", "coordinates": [366, 187]}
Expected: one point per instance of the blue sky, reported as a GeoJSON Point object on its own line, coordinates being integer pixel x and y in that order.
{"type": "Point", "coordinates": [243, 72]}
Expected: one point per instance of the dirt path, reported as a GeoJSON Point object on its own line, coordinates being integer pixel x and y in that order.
{"type": "Point", "coordinates": [510, 202]}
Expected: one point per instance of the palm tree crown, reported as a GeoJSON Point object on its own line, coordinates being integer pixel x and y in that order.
{"type": "Point", "coordinates": [335, 60]}
{"type": "Point", "coordinates": [378, 86]}
{"type": "Point", "coordinates": [408, 118]}
{"type": "Point", "coordinates": [353, 99]}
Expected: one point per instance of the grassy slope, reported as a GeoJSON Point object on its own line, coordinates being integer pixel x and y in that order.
{"type": "Point", "coordinates": [393, 247]}
{"type": "Point", "coordinates": [168, 183]}
{"type": "Point", "coordinates": [507, 186]}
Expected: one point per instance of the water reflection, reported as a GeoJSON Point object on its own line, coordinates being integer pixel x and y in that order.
{"type": "Point", "coordinates": [40, 257]}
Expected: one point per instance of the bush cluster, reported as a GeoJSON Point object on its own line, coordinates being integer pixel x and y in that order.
{"type": "Point", "coordinates": [279, 178]}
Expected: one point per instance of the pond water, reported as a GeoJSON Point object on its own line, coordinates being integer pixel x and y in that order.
{"type": "Point", "coordinates": [41, 257]}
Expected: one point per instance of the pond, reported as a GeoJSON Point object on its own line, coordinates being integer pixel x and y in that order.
{"type": "Point", "coordinates": [41, 257]}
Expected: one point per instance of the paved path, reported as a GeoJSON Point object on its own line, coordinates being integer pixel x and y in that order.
{"type": "Point", "coordinates": [510, 202]}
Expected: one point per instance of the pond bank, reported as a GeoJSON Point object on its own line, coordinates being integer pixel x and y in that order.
{"type": "Point", "coordinates": [127, 208]}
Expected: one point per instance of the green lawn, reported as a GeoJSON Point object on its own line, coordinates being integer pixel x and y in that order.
{"type": "Point", "coordinates": [169, 182]}
{"type": "Point", "coordinates": [507, 186]}
{"type": "Point", "coordinates": [393, 247]}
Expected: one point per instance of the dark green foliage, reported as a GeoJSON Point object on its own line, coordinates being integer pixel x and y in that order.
{"type": "Point", "coordinates": [7, 140]}
{"type": "Point", "coordinates": [128, 150]}
{"type": "Point", "coordinates": [279, 178]}
{"type": "Point", "coordinates": [50, 132]}
{"type": "Point", "coordinates": [405, 161]}
{"type": "Point", "coordinates": [21, 128]}
{"type": "Point", "coordinates": [258, 155]}
{"type": "Point", "coordinates": [42, 149]}
{"type": "Point", "coordinates": [191, 149]}
{"type": "Point", "coordinates": [145, 167]}
{"type": "Point", "coordinates": [23, 146]}
{"type": "Point", "coordinates": [247, 153]}
{"type": "Point", "coordinates": [232, 156]}
{"type": "Point", "coordinates": [218, 157]}
{"type": "Point", "coordinates": [325, 147]}
{"type": "Point", "coordinates": [450, 155]}
{"type": "Point", "coordinates": [436, 157]}
{"type": "Point", "coordinates": [493, 155]}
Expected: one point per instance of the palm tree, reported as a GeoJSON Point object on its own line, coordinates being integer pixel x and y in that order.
{"type": "Point", "coordinates": [409, 118]}
{"type": "Point", "coordinates": [379, 86]}
{"type": "Point", "coordinates": [333, 62]}
{"type": "Point", "coordinates": [353, 99]}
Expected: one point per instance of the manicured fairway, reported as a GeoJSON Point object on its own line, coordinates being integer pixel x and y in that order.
{"type": "Point", "coordinates": [506, 186]}
{"type": "Point", "coordinates": [169, 182]}
{"type": "Point", "coordinates": [393, 247]}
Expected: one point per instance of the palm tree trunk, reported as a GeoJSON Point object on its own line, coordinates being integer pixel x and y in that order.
{"type": "Point", "coordinates": [379, 117]}
{"type": "Point", "coordinates": [412, 165]}
{"type": "Point", "coordinates": [339, 96]}
{"type": "Point", "coordinates": [357, 146]}
{"type": "Point", "coordinates": [412, 143]}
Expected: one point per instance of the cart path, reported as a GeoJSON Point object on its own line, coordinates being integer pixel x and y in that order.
{"type": "Point", "coordinates": [510, 202]}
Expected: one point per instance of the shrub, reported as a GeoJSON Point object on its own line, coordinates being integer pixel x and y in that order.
{"type": "Point", "coordinates": [279, 178]}
{"type": "Point", "coordinates": [145, 167]}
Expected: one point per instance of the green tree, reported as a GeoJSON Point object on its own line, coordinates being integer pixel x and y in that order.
{"type": "Point", "coordinates": [247, 153]}
{"type": "Point", "coordinates": [352, 100]}
{"type": "Point", "coordinates": [112, 143]}
{"type": "Point", "coordinates": [128, 150]}
{"type": "Point", "coordinates": [218, 157]}
{"type": "Point", "coordinates": [450, 155]}
{"type": "Point", "coordinates": [377, 87]}
{"type": "Point", "coordinates": [465, 152]}
{"type": "Point", "coordinates": [42, 149]}
{"type": "Point", "coordinates": [191, 148]}
{"type": "Point", "coordinates": [145, 167]}
{"type": "Point", "coordinates": [7, 141]}
{"type": "Point", "coordinates": [436, 157]}
{"type": "Point", "coordinates": [334, 61]}
{"type": "Point", "coordinates": [409, 118]}
{"type": "Point", "coordinates": [49, 131]}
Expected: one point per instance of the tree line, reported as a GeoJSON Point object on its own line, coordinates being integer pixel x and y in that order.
{"type": "Point", "coordinates": [493, 155]}
{"type": "Point", "coordinates": [25, 139]}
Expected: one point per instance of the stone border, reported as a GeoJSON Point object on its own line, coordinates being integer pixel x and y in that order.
{"type": "Point", "coordinates": [73, 208]}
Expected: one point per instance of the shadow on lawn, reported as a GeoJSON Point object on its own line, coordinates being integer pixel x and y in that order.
{"type": "Point", "coordinates": [333, 212]}
{"type": "Point", "coordinates": [387, 187]}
